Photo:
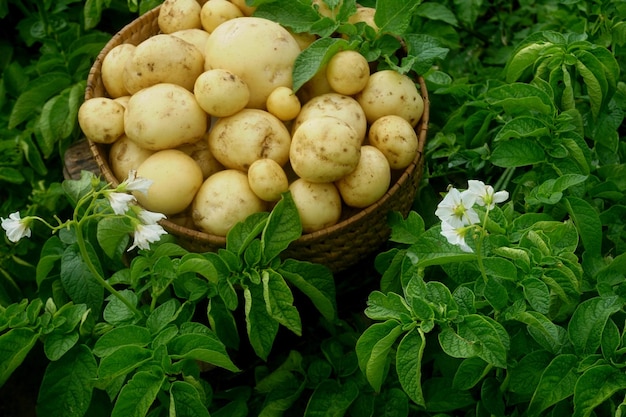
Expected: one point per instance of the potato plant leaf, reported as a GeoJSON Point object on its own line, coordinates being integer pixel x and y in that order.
{"type": "Point", "coordinates": [596, 385]}
{"type": "Point", "coordinates": [588, 321]}
{"type": "Point", "coordinates": [14, 347]}
{"type": "Point", "coordinates": [373, 349]}
{"type": "Point", "coordinates": [557, 383]}
{"type": "Point", "coordinates": [409, 364]}
{"type": "Point", "coordinates": [315, 57]}
{"type": "Point", "coordinates": [283, 227]}
{"type": "Point", "coordinates": [517, 153]}
{"type": "Point", "coordinates": [138, 395]}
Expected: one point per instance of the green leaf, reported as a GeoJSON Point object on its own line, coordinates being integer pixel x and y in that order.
{"type": "Point", "coordinates": [523, 58]}
{"type": "Point", "coordinates": [517, 153]}
{"type": "Point", "coordinates": [525, 374]}
{"type": "Point", "coordinates": [11, 175]}
{"type": "Point", "coordinates": [113, 235]}
{"type": "Point", "coordinates": [315, 57]}
{"type": "Point", "coordinates": [116, 311]}
{"type": "Point", "coordinates": [261, 327]}
{"type": "Point", "coordinates": [14, 347]}
{"type": "Point", "coordinates": [519, 98]}
{"type": "Point", "coordinates": [405, 230]}
{"type": "Point", "coordinates": [283, 227]}
{"type": "Point", "coordinates": [78, 280]}
{"type": "Point", "coordinates": [394, 16]}
{"type": "Point", "coordinates": [315, 281]}
{"type": "Point", "coordinates": [556, 384]}
{"type": "Point", "coordinates": [588, 321]}
{"type": "Point", "coordinates": [185, 401]}
{"type": "Point", "coordinates": [425, 50]}
{"type": "Point", "coordinates": [435, 11]}
{"type": "Point", "coordinates": [373, 347]}
{"type": "Point", "coordinates": [595, 386]}
{"type": "Point", "coordinates": [57, 344]}
{"type": "Point", "coordinates": [67, 384]}
{"type": "Point", "coordinates": [521, 127]}
{"type": "Point", "coordinates": [138, 395]}
{"type": "Point", "coordinates": [162, 315]}
{"type": "Point", "coordinates": [387, 306]}
{"type": "Point", "coordinates": [588, 223]}
{"type": "Point", "coordinates": [433, 249]}
{"type": "Point", "coordinates": [36, 93]}
{"type": "Point", "coordinates": [223, 323]}
{"type": "Point", "coordinates": [121, 336]}
{"type": "Point", "coordinates": [548, 335]}
{"type": "Point", "coordinates": [205, 347]}
{"type": "Point", "coordinates": [331, 399]}
{"type": "Point", "coordinates": [297, 15]}
{"type": "Point", "coordinates": [242, 233]}
{"type": "Point", "coordinates": [122, 361]}
{"type": "Point", "coordinates": [595, 80]}
{"type": "Point", "coordinates": [537, 294]}
{"type": "Point", "coordinates": [469, 373]}
{"type": "Point", "coordinates": [409, 365]}
{"type": "Point", "coordinates": [279, 301]}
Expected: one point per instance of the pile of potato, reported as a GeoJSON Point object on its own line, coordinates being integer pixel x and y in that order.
{"type": "Point", "coordinates": [206, 110]}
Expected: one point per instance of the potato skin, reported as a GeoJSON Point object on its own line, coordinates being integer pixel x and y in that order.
{"type": "Point", "coordinates": [200, 153]}
{"type": "Point", "coordinates": [220, 92]}
{"type": "Point", "coordinates": [250, 134]}
{"type": "Point", "coordinates": [324, 149]}
{"type": "Point", "coordinates": [267, 179]}
{"type": "Point", "coordinates": [389, 92]}
{"type": "Point", "coordinates": [176, 179]}
{"type": "Point", "coordinates": [164, 116]}
{"type": "Point", "coordinates": [318, 204]}
{"type": "Point", "coordinates": [396, 139]}
{"type": "Point", "coordinates": [368, 182]}
{"type": "Point", "coordinates": [347, 72]}
{"type": "Point", "coordinates": [283, 103]}
{"type": "Point", "coordinates": [124, 155]}
{"type": "Point", "coordinates": [101, 119]}
{"type": "Point", "coordinates": [216, 12]}
{"type": "Point", "coordinates": [177, 15]}
{"type": "Point", "coordinates": [224, 199]}
{"type": "Point", "coordinates": [112, 69]}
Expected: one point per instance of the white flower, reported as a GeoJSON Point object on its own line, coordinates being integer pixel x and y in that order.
{"type": "Point", "coordinates": [146, 234]}
{"type": "Point", "coordinates": [120, 201]}
{"type": "Point", "coordinates": [135, 183]}
{"type": "Point", "coordinates": [456, 235]}
{"type": "Point", "coordinates": [485, 195]}
{"type": "Point", "coordinates": [16, 227]}
{"type": "Point", "coordinates": [149, 217]}
{"type": "Point", "coordinates": [456, 208]}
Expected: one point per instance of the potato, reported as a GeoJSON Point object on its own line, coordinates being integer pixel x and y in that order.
{"type": "Point", "coordinates": [365, 15]}
{"type": "Point", "coordinates": [318, 204]}
{"type": "Point", "coordinates": [163, 58]}
{"type": "Point", "coordinates": [200, 153]}
{"type": "Point", "coordinates": [112, 69]}
{"type": "Point", "coordinates": [267, 179]}
{"type": "Point", "coordinates": [389, 92]}
{"type": "Point", "coordinates": [101, 119]}
{"type": "Point", "coordinates": [123, 100]}
{"type": "Point", "coordinates": [216, 12]}
{"type": "Point", "coordinates": [323, 8]}
{"type": "Point", "coordinates": [316, 86]}
{"type": "Point", "coordinates": [220, 92]}
{"type": "Point", "coordinates": [347, 72]}
{"type": "Point", "coordinates": [124, 155]}
{"type": "Point", "coordinates": [368, 182]}
{"type": "Point", "coordinates": [396, 139]}
{"type": "Point", "coordinates": [164, 116]}
{"type": "Point", "coordinates": [196, 37]}
{"type": "Point", "coordinates": [283, 103]}
{"type": "Point", "coordinates": [304, 39]}
{"type": "Point", "coordinates": [247, 10]}
{"type": "Point", "coordinates": [324, 149]}
{"type": "Point", "coordinates": [258, 50]}
{"type": "Point", "coordinates": [177, 15]}
{"type": "Point", "coordinates": [176, 179]}
{"type": "Point", "coordinates": [223, 200]}
{"type": "Point", "coordinates": [337, 105]}
{"type": "Point", "coordinates": [239, 140]}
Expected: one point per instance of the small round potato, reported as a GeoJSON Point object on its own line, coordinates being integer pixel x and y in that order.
{"type": "Point", "coordinates": [124, 155]}
{"type": "Point", "coordinates": [347, 72]}
{"type": "Point", "coordinates": [283, 103]}
{"type": "Point", "coordinates": [112, 70]}
{"type": "Point", "coordinates": [324, 149]}
{"type": "Point", "coordinates": [101, 119]}
{"type": "Point", "coordinates": [200, 153]}
{"type": "Point", "coordinates": [220, 92]}
{"type": "Point", "coordinates": [389, 92]}
{"type": "Point", "coordinates": [223, 200]}
{"type": "Point", "coordinates": [176, 178]}
{"type": "Point", "coordinates": [368, 182]}
{"type": "Point", "coordinates": [163, 58]}
{"type": "Point", "coordinates": [196, 37]}
{"type": "Point", "coordinates": [267, 179]}
{"type": "Point", "coordinates": [396, 139]}
{"type": "Point", "coordinates": [318, 204]}
{"type": "Point", "coordinates": [239, 140]}
{"type": "Point", "coordinates": [178, 15]}
{"type": "Point", "coordinates": [216, 12]}
{"type": "Point", "coordinates": [258, 50]}
{"type": "Point", "coordinates": [337, 105]}
{"type": "Point", "coordinates": [164, 116]}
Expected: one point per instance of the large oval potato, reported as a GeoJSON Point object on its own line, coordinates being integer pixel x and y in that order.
{"type": "Point", "coordinates": [164, 116]}
{"type": "Point", "coordinates": [223, 200]}
{"type": "Point", "coordinates": [220, 92]}
{"type": "Point", "coordinates": [396, 139]}
{"type": "Point", "coordinates": [389, 92]}
{"type": "Point", "coordinates": [177, 15]}
{"type": "Point", "coordinates": [318, 204]}
{"type": "Point", "coordinates": [163, 58]}
{"type": "Point", "coordinates": [251, 134]}
{"type": "Point", "coordinates": [324, 149]}
{"type": "Point", "coordinates": [260, 51]}
{"type": "Point", "coordinates": [101, 119]}
{"type": "Point", "coordinates": [196, 37]}
{"type": "Point", "coordinates": [176, 178]}
{"type": "Point", "coordinates": [368, 182]}
{"type": "Point", "coordinates": [337, 105]}
{"type": "Point", "coordinates": [112, 70]}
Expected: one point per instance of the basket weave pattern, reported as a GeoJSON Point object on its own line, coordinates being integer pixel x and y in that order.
{"type": "Point", "coordinates": [358, 233]}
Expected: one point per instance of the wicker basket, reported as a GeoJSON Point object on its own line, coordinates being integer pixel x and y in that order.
{"type": "Point", "coordinates": [358, 234]}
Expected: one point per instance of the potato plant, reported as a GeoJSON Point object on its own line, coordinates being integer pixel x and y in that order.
{"type": "Point", "coordinates": [180, 90]}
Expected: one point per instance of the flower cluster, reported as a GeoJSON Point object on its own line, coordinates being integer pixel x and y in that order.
{"type": "Point", "coordinates": [145, 223]}
{"type": "Point", "coordinates": [457, 214]}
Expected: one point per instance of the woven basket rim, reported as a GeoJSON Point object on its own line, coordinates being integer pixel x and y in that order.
{"type": "Point", "coordinates": [200, 236]}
